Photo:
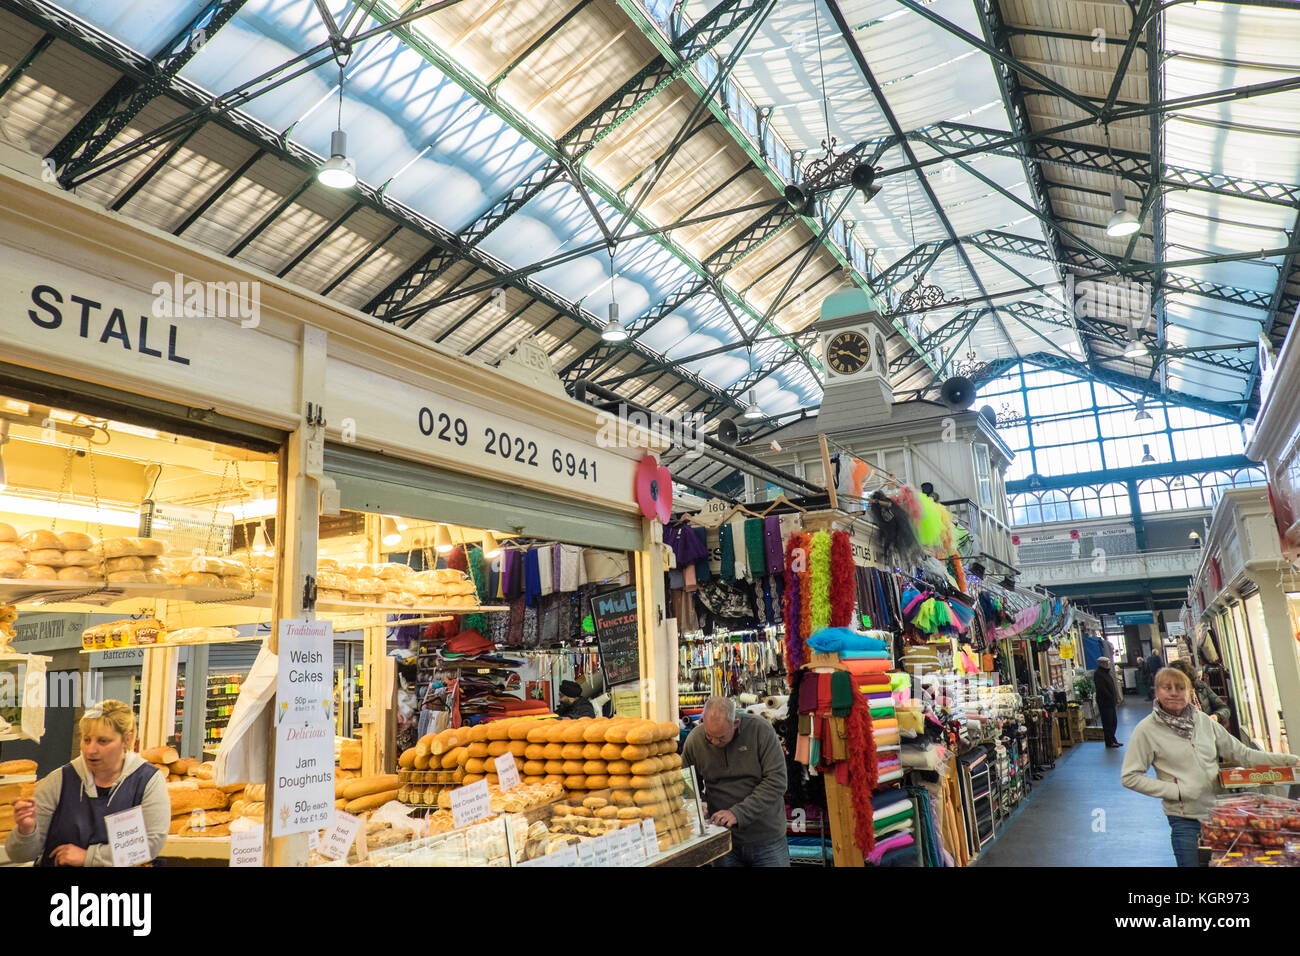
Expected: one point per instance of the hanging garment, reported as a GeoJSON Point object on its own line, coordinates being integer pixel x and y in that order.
{"type": "Point", "coordinates": [739, 549]}
{"type": "Point", "coordinates": [532, 576]}
{"type": "Point", "coordinates": [755, 550]}
{"type": "Point", "coordinates": [571, 571]}
{"type": "Point", "coordinates": [727, 545]}
{"type": "Point", "coordinates": [703, 569]}
{"type": "Point", "coordinates": [545, 570]}
{"type": "Point", "coordinates": [773, 550]}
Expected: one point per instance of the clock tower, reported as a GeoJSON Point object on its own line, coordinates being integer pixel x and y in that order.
{"type": "Point", "coordinates": [854, 360]}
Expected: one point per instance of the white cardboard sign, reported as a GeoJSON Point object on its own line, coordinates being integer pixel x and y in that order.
{"type": "Point", "coordinates": [507, 771]}
{"type": "Point", "coordinates": [340, 837]}
{"type": "Point", "coordinates": [127, 837]}
{"type": "Point", "coordinates": [470, 804]}
{"type": "Point", "coordinates": [246, 847]}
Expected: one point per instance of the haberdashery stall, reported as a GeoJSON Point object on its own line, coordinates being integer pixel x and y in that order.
{"type": "Point", "coordinates": [212, 481]}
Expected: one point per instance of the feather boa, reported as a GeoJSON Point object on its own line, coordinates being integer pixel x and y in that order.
{"type": "Point", "coordinates": [910, 501]}
{"type": "Point", "coordinates": [843, 580]}
{"type": "Point", "coordinates": [793, 646]}
{"type": "Point", "coordinates": [820, 572]}
{"type": "Point", "coordinates": [864, 773]}
{"type": "Point", "coordinates": [929, 530]}
{"type": "Point", "coordinates": [803, 556]}
{"type": "Point", "coordinates": [947, 533]}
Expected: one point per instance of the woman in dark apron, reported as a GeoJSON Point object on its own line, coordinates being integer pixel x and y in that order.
{"type": "Point", "coordinates": [63, 825]}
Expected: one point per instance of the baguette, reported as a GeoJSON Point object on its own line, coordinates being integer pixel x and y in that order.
{"type": "Point", "coordinates": [407, 760]}
{"type": "Point", "coordinates": [423, 744]}
{"type": "Point", "coordinates": [255, 792]}
{"type": "Point", "coordinates": [422, 763]}
{"type": "Point", "coordinates": [538, 734]}
{"type": "Point", "coordinates": [371, 801]}
{"type": "Point", "coordinates": [187, 801]}
{"type": "Point", "coordinates": [453, 757]}
{"type": "Point", "coordinates": [365, 786]}
{"type": "Point", "coordinates": [182, 765]}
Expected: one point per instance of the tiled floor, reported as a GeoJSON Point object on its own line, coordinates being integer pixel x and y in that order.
{"type": "Point", "coordinates": [1080, 815]}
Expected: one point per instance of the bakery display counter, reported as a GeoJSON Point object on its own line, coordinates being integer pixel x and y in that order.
{"type": "Point", "coordinates": [713, 843]}
{"type": "Point", "coordinates": [196, 848]}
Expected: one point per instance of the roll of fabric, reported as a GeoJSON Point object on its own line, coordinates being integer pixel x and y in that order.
{"type": "Point", "coordinates": [844, 639]}
{"type": "Point", "coordinates": [755, 548]}
{"type": "Point", "coordinates": [727, 546]}
{"type": "Point", "coordinates": [865, 655]}
{"type": "Point", "coordinates": [570, 567]}
{"type": "Point", "coordinates": [885, 846]}
{"type": "Point", "coordinates": [773, 547]}
{"type": "Point", "coordinates": [737, 526]}
{"type": "Point", "coordinates": [868, 667]}
{"type": "Point", "coordinates": [545, 570]}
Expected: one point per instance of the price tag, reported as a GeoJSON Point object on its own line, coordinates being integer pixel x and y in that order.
{"type": "Point", "coordinates": [586, 854]}
{"type": "Point", "coordinates": [507, 771]}
{"type": "Point", "coordinates": [340, 837]}
{"type": "Point", "coordinates": [246, 847]}
{"type": "Point", "coordinates": [600, 848]}
{"type": "Point", "coordinates": [566, 857]}
{"type": "Point", "coordinates": [470, 804]}
{"type": "Point", "coordinates": [649, 838]}
{"type": "Point", "coordinates": [127, 837]}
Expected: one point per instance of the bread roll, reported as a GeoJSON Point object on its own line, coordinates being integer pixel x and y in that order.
{"type": "Point", "coordinates": [663, 747]}
{"type": "Point", "coordinates": [575, 781]}
{"type": "Point", "coordinates": [643, 732]}
{"type": "Point", "coordinates": [498, 730]}
{"type": "Point", "coordinates": [364, 786]}
{"type": "Point", "coordinates": [50, 558]}
{"type": "Point", "coordinates": [8, 533]}
{"type": "Point", "coordinates": [407, 758]}
{"type": "Point", "coordinates": [555, 732]}
{"type": "Point", "coordinates": [607, 812]}
{"type": "Point", "coordinates": [553, 752]}
{"type": "Point", "coordinates": [193, 579]}
{"type": "Point", "coordinates": [422, 763]}
{"type": "Point", "coordinates": [256, 792]}
{"type": "Point", "coordinates": [644, 782]}
{"type": "Point", "coordinates": [597, 781]}
{"type": "Point", "coordinates": [535, 752]}
{"type": "Point", "coordinates": [517, 747]}
{"type": "Point", "coordinates": [371, 801]}
{"type": "Point", "coordinates": [629, 813]}
{"type": "Point", "coordinates": [76, 574]}
{"type": "Point", "coordinates": [453, 757]}
{"type": "Point", "coordinates": [468, 779]}
{"type": "Point", "coordinates": [17, 767]}
{"type": "Point", "coordinates": [41, 540]}
{"type": "Point", "coordinates": [592, 751]}
{"type": "Point", "coordinates": [496, 748]}
{"type": "Point", "coordinates": [668, 730]}
{"type": "Point", "coordinates": [39, 572]}
{"type": "Point", "coordinates": [622, 798]}
{"type": "Point", "coordinates": [479, 749]}
{"type": "Point", "coordinates": [671, 761]}
{"type": "Point", "coordinates": [573, 767]}
{"type": "Point", "coordinates": [519, 728]}
{"type": "Point", "coordinates": [478, 733]}
{"type": "Point", "coordinates": [621, 781]}
{"type": "Point", "coordinates": [555, 768]}
{"type": "Point", "coordinates": [616, 731]}
{"type": "Point", "coordinates": [574, 730]}
{"type": "Point", "coordinates": [75, 541]}
{"type": "Point", "coordinates": [150, 547]}
{"type": "Point", "coordinates": [611, 751]}
{"type": "Point", "coordinates": [178, 824]}
{"type": "Point", "coordinates": [591, 767]}
{"type": "Point", "coordinates": [115, 548]}
{"type": "Point", "coordinates": [595, 730]}
{"type": "Point", "coordinates": [450, 739]}
{"type": "Point", "coordinates": [574, 751]}
{"type": "Point", "coordinates": [12, 552]}
{"type": "Point", "coordinates": [423, 744]}
{"type": "Point", "coordinates": [132, 563]}
{"type": "Point", "coordinates": [534, 768]}
{"type": "Point", "coordinates": [12, 569]}
{"type": "Point", "coordinates": [80, 559]}
{"type": "Point", "coordinates": [474, 765]}
{"type": "Point", "coordinates": [167, 755]}
{"type": "Point", "coordinates": [648, 767]}
{"type": "Point", "coordinates": [618, 767]}
{"type": "Point", "coordinates": [634, 752]}
{"type": "Point", "coordinates": [537, 734]}
{"type": "Point", "coordinates": [187, 801]}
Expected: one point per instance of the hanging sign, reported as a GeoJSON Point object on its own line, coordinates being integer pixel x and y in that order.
{"type": "Point", "coordinates": [615, 616]}
{"type": "Point", "coordinates": [127, 837]}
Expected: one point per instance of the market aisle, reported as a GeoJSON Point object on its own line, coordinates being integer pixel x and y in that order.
{"type": "Point", "coordinates": [1055, 827]}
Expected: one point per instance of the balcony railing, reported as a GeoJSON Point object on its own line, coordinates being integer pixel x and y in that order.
{"type": "Point", "coordinates": [1100, 565]}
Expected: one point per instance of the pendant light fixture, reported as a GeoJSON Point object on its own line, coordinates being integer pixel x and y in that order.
{"type": "Point", "coordinates": [752, 411]}
{"type": "Point", "coordinates": [613, 331]}
{"type": "Point", "coordinates": [491, 550]}
{"type": "Point", "coordinates": [1147, 457]}
{"type": "Point", "coordinates": [338, 172]}
{"type": "Point", "coordinates": [1122, 222]}
{"type": "Point", "coordinates": [389, 533]}
{"type": "Point", "coordinates": [442, 539]}
{"type": "Point", "coordinates": [1136, 348]}
{"type": "Point", "coordinates": [1142, 414]}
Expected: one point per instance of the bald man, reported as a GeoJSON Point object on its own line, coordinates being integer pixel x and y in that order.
{"type": "Point", "coordinates": [742, 768]}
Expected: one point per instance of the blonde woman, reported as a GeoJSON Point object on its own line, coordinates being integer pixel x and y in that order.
{"type": "Point", "coordinates": [1185, 746]}
{"type": "Point", "coordinates": [64, 824]}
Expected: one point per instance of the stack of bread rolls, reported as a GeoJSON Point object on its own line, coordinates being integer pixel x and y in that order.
{"type": "Point", "coordinates": [200, 571]}
{"type": "Point", "coordinates": [9, 792]}
{"type": "Point", "coordinates": [46, 556]}
{"type": "Point", "coordinates": [199, 806]}
{"type": "Point", "coordinates": [8, 631]}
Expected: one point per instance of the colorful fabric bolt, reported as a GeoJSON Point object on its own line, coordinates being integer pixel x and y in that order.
{"type": "Point", "coordinates": [832, 639]}
{"type": "Point", "coordinates": [841, 694]}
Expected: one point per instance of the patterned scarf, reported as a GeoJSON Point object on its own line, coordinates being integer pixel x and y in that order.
{"type": "Point", "coordinates": [1180, 723]}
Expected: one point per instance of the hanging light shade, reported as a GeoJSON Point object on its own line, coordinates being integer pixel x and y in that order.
{"type": "Point", "coordinates": [442, 539]}
{"type": "Point", "coordinates": [1122, 222]}
{"type": "Point", "coordinates": [338, 172]}
{"type": "Point", "coordinates": [614, 331]}
{"type": "Point", "coordinates": [261, 543]}
{"type": "Point", "coordinates": [389, 533]}
{"type": "Point", "coordinates": [752, 410]}
{"type": "Point", "coordinates": [1136, 348]}
{"type": "Point", "coordinates": [491, 549]}
{"type": "Point", "coordinates": [1147, 457]}
{"type": "Point", "coordinates": [1142, 414]}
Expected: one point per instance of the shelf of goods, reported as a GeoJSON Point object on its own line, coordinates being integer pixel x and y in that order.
{"type": "Point", "coordinates": [979, 797]}
{"type": "Point", "coordinates": [17, 782]}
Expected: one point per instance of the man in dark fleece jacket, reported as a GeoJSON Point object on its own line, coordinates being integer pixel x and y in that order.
{"type": "Point", "coordinates": [742, 768]}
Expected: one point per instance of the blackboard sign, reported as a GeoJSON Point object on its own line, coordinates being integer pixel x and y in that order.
{"type": "Point", "coordinates": [616, 633]}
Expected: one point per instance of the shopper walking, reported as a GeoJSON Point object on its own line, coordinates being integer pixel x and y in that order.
{"type": "Point", "coordinates": [64, 824]}
{"type": "Point", "coordinates": [1103, 679]}
{"type": "Point", "coordinates": [572, 704]}
{"type": "Point", "coordinates": [1185, 746]}
{"type": "Point", "coordinates": [1209, 703]}
{"type": "Point", "coordinates": [742, 768]}
{"type": "Point", "coordinates": [1152, 666]}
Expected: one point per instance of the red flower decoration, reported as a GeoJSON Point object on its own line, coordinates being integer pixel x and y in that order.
{"type": "Point", "coordinates": [1015, 539]}
{"type": "Point", "coordinates": [1074, 534]}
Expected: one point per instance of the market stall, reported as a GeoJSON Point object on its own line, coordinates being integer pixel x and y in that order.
{"type": "Point", "coordinates": [217, 477]}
